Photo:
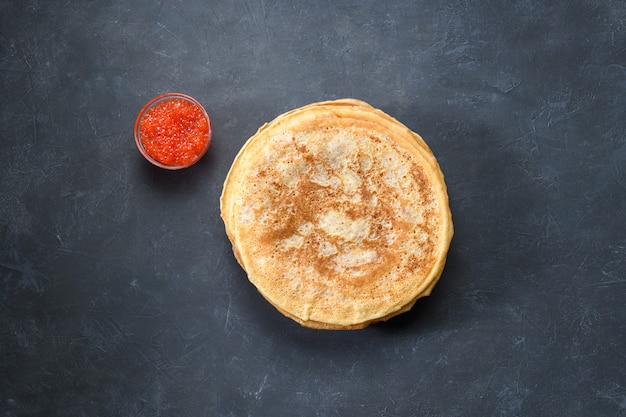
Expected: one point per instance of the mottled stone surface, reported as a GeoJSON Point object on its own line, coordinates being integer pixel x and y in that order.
{"type": "Point", "coordinates": [119, 293]}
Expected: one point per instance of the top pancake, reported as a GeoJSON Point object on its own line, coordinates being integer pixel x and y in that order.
{"type": "Point", "coordinates": [339, 214]}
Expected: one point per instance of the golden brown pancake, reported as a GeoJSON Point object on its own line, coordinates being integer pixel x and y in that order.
{"type": "Point", "coordinates": [339, 215]}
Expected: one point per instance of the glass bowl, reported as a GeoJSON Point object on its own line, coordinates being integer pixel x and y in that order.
{"type": "Point", "coordinates": [173, 131]}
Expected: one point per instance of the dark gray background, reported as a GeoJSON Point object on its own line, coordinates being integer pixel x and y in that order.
{"type": "Point", "coordinates": [119, 293]}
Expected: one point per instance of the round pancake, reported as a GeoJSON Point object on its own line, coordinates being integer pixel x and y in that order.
{"type": "Point", "coordinates": [339, 214]}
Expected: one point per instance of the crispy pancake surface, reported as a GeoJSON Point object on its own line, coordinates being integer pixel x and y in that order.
{"type": "Point", "coordinates": [339, 215]}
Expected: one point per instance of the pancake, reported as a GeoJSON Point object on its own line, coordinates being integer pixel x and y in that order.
{"type": "Point", "coordinates": [339, 215]}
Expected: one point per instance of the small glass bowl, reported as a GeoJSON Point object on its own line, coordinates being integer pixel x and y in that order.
{"type": "Point", "coordinates": [152, 103]}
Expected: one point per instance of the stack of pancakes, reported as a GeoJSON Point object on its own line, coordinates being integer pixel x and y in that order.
{"type": "Point", "coordinates": [339, 215]}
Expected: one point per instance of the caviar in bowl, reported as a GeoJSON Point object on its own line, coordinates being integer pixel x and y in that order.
{"type": "Point", "coordinates": [173, 131]}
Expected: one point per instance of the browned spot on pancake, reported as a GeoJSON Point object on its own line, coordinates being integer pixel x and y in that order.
{"type": "Point", "coordinates": [304, 205]}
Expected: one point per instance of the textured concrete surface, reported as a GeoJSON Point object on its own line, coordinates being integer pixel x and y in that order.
{"type": "Point", "coordinates": [119, 293]}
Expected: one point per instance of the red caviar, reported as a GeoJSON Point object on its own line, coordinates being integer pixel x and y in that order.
{"type": "Point", "coordinates": [173, 130]}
